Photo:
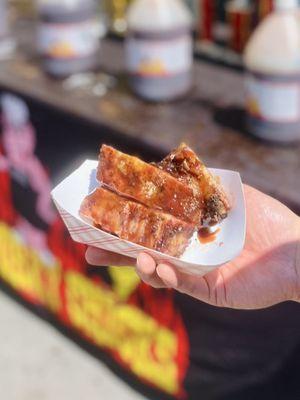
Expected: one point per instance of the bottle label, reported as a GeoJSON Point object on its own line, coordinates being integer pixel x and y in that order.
{"type": "Point", "coordinates": [273, 99]}
{"type": "Point", "coordinates": [69, 40]}
{"type": "Point", "coordinates": [159, 57]}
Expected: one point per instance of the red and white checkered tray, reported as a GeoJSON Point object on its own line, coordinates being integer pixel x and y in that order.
{"type": "Point", "coordinates": [197, 259]}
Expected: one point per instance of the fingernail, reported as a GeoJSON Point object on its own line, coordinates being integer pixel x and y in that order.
{"type": "Point", "coordinates": [145, 264]}
{"type": "Point", "coordinates": [168, 275]}
{"type": "Point", "coordinates": [91, 257]}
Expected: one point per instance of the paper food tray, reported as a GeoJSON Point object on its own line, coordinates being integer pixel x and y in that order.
{"type": "Point", "coordinates": [197, 259]}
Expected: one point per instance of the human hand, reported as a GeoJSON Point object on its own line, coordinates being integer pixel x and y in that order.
{"type": "Point", "coordinates": [266, 273]}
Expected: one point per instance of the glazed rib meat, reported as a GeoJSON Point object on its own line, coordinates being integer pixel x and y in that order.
{"type": "Point", "coordinates": [136, 223]}
{"type": "Point", "coordinates": [149, 185]}
{"type": "Point", "coordinates": [185, 166]}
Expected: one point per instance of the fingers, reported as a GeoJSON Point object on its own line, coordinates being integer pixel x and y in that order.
{"type": "Point", "coordinates": [145, 264]}
{"type": "Point", "coordinates": [194, 286]}
{"type": "Point", "coordinates": [99, 257]}
{"type": "Point", "coordinates": [166, 276]}
{"type": "Point", "coordinates": [169, 276]}
{"type": "Point", "coordinates": [210, 288]}
{"type": "Point", "coordinates": [146, 269]}
{"type": "Point", "coordinates": [162, 275]}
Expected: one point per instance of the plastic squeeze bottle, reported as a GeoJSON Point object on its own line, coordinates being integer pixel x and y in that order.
{"type": "Point", "coordinates": [68, 36]}
{"type": "Point", "coordinates": [159, 49]}
{"type": "Point", "coordinates": [3, 19]}
{"type": "Point", "coordinates": [272, 59]}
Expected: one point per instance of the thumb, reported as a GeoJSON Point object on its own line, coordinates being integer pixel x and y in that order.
{"type": "Point", "coordinates": [195, 286]}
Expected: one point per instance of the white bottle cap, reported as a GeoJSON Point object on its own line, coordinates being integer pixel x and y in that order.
{"type": "Point", "coordinates": [156, 15]}
{"type": "Point", "coordinates": [283, 5]}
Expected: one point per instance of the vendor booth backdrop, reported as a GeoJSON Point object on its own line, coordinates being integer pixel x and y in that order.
{"type": "Point", "coordinates": [163, 343]}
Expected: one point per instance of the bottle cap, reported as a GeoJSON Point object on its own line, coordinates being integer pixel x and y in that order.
{"type": "Point", "coordinates": [284, 5]}
{"type": "Point", "coordinates": [156, 15]}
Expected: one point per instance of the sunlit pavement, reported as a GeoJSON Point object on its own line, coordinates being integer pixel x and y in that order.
{"type": "Point", "coordinates": [39, 363]}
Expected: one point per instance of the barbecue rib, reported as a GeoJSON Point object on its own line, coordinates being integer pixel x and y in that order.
{"type": "Point", "coordinates": [185, 166]}
{"type": "Point", "coordinates": [147, 184]}
{"type": "Point", "coordinates": [136, 223]}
